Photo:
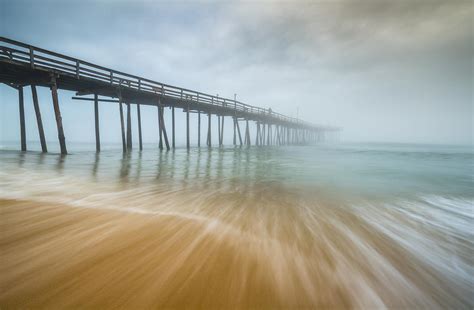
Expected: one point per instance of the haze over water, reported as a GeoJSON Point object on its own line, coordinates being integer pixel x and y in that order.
{"type": "Point", "coordinates": [344, 225]}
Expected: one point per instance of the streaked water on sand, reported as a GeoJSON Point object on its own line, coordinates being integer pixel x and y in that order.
{"type": "Point", "coordinates": [341, 226]}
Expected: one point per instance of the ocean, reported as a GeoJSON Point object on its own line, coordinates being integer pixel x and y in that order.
{"type": "Point", "coordinates": [343, 225]}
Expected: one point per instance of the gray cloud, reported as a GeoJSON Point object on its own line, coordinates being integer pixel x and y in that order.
{"type": "Point", "coordinates": [391, 65]}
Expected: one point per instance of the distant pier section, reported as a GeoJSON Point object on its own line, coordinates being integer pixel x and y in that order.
{"type": "Point", "coordinates": [24, 65]}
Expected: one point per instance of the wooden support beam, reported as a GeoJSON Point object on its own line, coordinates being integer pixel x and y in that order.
{"type": "Point", "coordinates": [221, 142]}
{"type": "Point", "coordinates": [187, 128]}
{"type": "Point", "coordinates": [160, 127]}
{"type": "Point", "coordinates": [269, 134]}
{"type": "Point", "coordinates": [288, 141]}
{"type": "Point", "coordinates": [209, 140]}
{"type": "Point", "coordinates": [277, 134]}
{"type": "Point", "coordinates": [273, 135]}
{"type": "Point", "coordinates": [238, 130]}
{"type": "Point", "coordinates": [21, 105]}
{"type": "Point", "coordinates": [39, 121]}
{"type": "Point", "coordinates": [92, 99]}
{"type": "Point", "coordinates": [218, 130]}
{"type": "Point", "coordinates": [247, 133]}
{"type": "Point", "coordinates": [139, 117]}
{"type": "Point", "coordinates": [97, 130]}
{"type": "Point", "coordinates": [257, 139]}
{"type": "Point", "coordinates": [199, 128]}
{"type": "Point", "coordinates": [163, 126]}
{"type": "Point", "coordinates": [57, 113]}
{"type": "Point", "coordinates": [234, 140]}
{"type": "Point", "coordinates": [282, 133]}
{"type": "Point", "coordinates": [173, 127]}
{"type": "Point", "coordinates": [122, 127]}
{"type": "Point", "coordinates": [246, 130]}
{"type": "Point", "coordinates": [129, 128]}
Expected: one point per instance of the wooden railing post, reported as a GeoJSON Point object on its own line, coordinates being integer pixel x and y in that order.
{"type": "Point", "coordinates": [32, 59]}
{"type": "Point", "coordinates": [77, 69]}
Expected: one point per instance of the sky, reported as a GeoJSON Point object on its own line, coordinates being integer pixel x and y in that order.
{"type": "Point", "coordinates": [386, 71]}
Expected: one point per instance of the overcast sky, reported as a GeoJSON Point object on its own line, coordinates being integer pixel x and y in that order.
{"type": "Point", "coordinates": [397, 71]}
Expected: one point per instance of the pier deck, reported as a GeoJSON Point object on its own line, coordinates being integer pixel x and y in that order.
{"type": "Point", "coordinates": [22, 65]}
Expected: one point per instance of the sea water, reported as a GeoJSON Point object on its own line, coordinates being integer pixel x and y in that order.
{"type": "Point", "coordinates": [329, 225]}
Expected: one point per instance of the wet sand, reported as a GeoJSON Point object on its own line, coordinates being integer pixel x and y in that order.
{"type": "Point", "coordinates": [55, 256]}
{"type": "Point", "coordinates": [58, 256]}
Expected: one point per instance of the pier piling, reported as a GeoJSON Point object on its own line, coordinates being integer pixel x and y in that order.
{"type": "Point", "coordinates": [238, 130]}
{"type": "Point", "coordinates": [139, 119]}
{"type": "Point", "coordinates": [163, 128]}
{"type": "Point", "coordinates": [122, 127]}
{"type": "Point", "coordinates": [39, 121]}
{"type": "Point", "coordinates": [21, 105]}
{"type": "Point", "coordinates": [199, 128]}
{"type": "Point", "coordinates": [173, 128]}
{"type": "Point", "coordinates": [160, 128]}
{"type": "Point", "coordinates": [129, 128]}
{"type": "Point", "coordinates": [187, 128]}
{"type": "Point", "coordinates": [57, 113]}
{"type": "Point", "coordinates": [96, 117]}
{"type": "Point", "coordinates": [209, 142]}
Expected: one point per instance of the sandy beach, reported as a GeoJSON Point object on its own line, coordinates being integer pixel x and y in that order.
{"type": "Point", "coordinates": [54, 256]}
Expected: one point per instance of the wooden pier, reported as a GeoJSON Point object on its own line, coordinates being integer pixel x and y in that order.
{"type": "Point", "coordinates": [23, 65]}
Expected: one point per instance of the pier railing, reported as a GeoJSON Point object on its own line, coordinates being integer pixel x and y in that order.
{"type": "Point", "coordinates": [37, 57]}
